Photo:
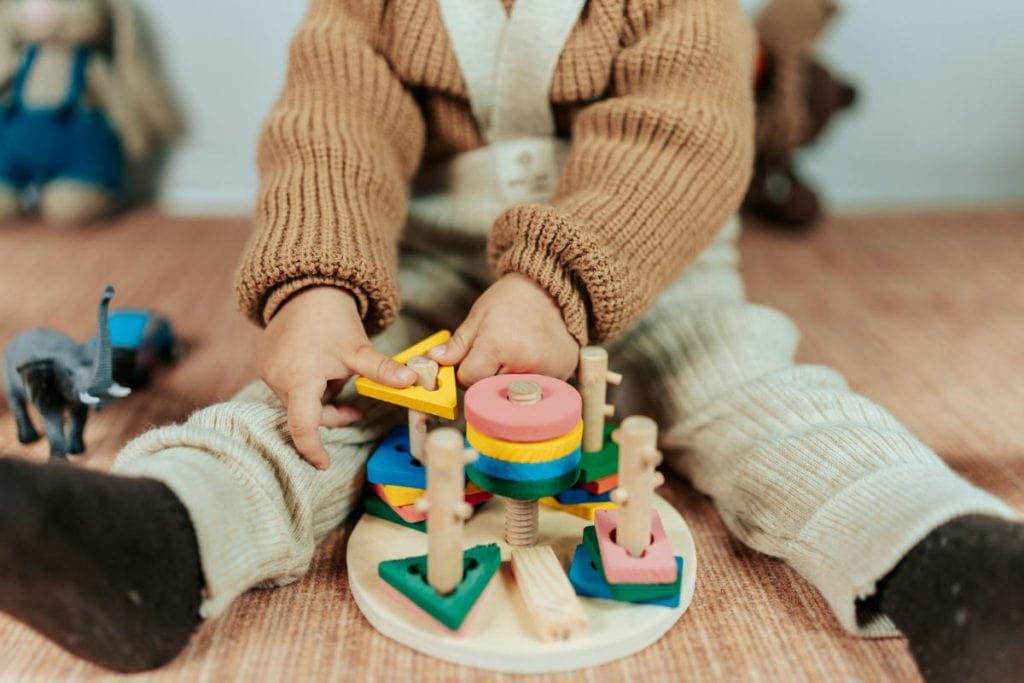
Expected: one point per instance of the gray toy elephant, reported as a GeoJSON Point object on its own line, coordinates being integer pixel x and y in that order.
{"type": "Point", "coordinates": [59, 375]}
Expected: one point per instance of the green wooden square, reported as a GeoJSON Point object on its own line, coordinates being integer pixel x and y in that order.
{"type": "Point", "coordinates": [378, 508]}
{"type": "Point", "coordinates": [629, 592]}
{"type": "Point", "coordinates": [602, 463]}
{"type": "Point", "coordinates": [409, 577]}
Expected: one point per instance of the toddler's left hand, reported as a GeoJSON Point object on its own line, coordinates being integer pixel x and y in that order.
{"type": "Point", "coordinates": [514, 327]}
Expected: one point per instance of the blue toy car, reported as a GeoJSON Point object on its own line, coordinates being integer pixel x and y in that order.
{"type": "Point", "coordinates": [142, 340]}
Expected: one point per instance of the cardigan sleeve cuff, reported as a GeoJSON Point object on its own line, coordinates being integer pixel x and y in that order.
{"type": "Point", "coordinates": [554, 250]}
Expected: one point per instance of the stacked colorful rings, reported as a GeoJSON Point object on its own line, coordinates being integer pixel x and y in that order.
{"type": "Point", "coordinates": [526, 451]}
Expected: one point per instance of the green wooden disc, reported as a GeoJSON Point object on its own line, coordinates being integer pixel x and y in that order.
{"type": "Point", "coordinates": [523, 490]}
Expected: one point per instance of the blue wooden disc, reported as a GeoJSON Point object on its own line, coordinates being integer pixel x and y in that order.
{"type": "Point", "coordinates": [532, 471]}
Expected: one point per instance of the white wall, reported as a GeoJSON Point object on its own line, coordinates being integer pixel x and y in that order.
{"type": "Point", "coordinates": [226, 60]}
{"type": "Point", "coordinates": [940, 121]}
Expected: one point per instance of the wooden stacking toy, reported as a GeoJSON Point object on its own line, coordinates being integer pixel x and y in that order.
{"type": "Point", "coordinates": [528, 431]}
{"type": "Point", "coordinates": [627, 548]}
{"type": "Point", "coordinates": [544, 447]}
{"type": "Point", "coordinates": [447, 582]}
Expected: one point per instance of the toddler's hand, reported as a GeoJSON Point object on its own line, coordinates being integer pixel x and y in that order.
{"type": "Point", "coordinates": [515, 326]}
{"type": "Point", "coordinates": [314, 344]}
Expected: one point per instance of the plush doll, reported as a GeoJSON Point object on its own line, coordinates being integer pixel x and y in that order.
{"type": "Point", "coordinates": [78, 98]}
{"type": "Point", "coordinates": [796, 99]}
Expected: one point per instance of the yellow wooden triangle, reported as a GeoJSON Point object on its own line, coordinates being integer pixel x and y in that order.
{"type": "Point", "coordinates": [442, 402]}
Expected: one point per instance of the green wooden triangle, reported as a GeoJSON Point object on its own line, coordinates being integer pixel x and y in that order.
{"type": "Point", "coordinates": [409, 577]}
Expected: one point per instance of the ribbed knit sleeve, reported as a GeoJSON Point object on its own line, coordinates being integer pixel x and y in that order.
{"type": "Point", "coordinates": [335, 158]}
{"type": "Point", "coordinates": [654, 172]}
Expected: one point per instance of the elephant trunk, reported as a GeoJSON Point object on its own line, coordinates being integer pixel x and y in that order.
{"type": "Point", "coordinates": [103, 365]}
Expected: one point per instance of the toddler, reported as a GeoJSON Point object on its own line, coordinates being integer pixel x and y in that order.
{"type": "Point", "coordinates": [537, 176]}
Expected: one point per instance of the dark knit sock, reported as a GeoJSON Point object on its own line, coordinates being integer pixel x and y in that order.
{"type": "Point", "coordinates": [106, 567]}
{"type": "Point", "coordinates": [958, 596]}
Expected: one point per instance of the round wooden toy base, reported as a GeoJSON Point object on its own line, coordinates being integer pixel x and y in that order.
{"type": "Point", "coordinates": [499, 635]}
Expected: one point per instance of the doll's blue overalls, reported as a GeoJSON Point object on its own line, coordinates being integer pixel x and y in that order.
{"type": "Point", "coordinates": [66, 142]}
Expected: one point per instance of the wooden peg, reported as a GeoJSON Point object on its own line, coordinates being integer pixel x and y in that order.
{"type": "Point", "coordinates": [426, 371]}
{"type": "Point", "coordinates": [446, 509]}
{"type": "Point", "coordinates": [594, 378]}
{"type": "Point", "coordinates": [638, 457]}
{"type": "Point", "coordinates": [551, 600]}
{"type": "Point", "coordinates": [522, 517]}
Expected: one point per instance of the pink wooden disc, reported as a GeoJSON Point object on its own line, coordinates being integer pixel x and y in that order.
{"type": "Point", "coordinates": [490, 411]}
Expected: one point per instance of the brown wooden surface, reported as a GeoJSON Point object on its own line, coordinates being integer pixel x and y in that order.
{"type": "Point", "coordinates": [925, 313]}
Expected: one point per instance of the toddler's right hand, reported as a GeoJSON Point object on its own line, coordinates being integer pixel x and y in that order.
{"type": "Point", "coordinates": [315, 344]}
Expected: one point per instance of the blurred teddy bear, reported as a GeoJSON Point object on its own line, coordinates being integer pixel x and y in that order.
{"type": "Point", "coordinates": [78, 98]}
{"type": "Point", "coordinates": [796, 99]}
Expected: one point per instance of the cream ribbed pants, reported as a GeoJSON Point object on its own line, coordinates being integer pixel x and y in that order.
{"type": "Point", "coordinates": [799, 467]}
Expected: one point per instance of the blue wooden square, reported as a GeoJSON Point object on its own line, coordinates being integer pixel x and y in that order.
{"type": "Point", "coordinates": [578, 496]}
{"type": "Point", "coordinates": [393, 464]}
{"type": "Point", "coordinates": [588, 582]}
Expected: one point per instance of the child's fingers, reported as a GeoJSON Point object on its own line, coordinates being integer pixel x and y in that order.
{"type": "Point", "coordinates": [479, 364]}
{"type": "Point", "coordinates": [304, 413]}
{"type": "Point", "coordinates": [453, 351]}
{"type": "Point", "coordinates": [339, 416]}
{"type": "Point", "coordinates": [372, 364]}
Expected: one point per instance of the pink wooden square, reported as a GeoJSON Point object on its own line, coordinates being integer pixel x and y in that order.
{"type": "Point", "coordinates": [656, 565]}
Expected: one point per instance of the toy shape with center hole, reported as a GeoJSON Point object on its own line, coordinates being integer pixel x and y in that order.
{"type": "Point", "coordinates": [397, 496]}
{"type": "Point", "coordinates": [522, 490]}
{"type": "Point", "coordinates": [629, 592]}
{"type": "Point", "coordinates": [582, 510]}
{"type": "Point", "coordinates": [577, 496]}
{"type": "Point", "coordinates": [442, 401]}
{"type": "Point", "coordinates": [654, 566]}
{"type": "Point", "coordinates": [490, 411]}
{"type": "Point", "coordinates": [409, 577]}
{"type": "Point", "coordinates": [603, 463]}
{"type": "Point", "coordinates": [411, 513]}
{"type": "Point", "coordinates": [555, 609]}
{"type": "Point", "coordinates": [517, 471]}
{"type": "Point", "coordinates": [378, 508]}
{"type": "Point", "coordinates": [412, 611]}
{"type": "Point", "coordinates": [519, 452]}
{"type": "Point", "coordinates": [602, 485]}
{"type": "Point", "coordinates": [392, 463]}
{"type": "Point", "coordinates": [588, 581]}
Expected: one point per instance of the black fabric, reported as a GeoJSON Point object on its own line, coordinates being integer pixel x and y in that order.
{"type": "Point", "coordinates": [106, 567]}
{"type": "Point", "coordinates": [958, 596]}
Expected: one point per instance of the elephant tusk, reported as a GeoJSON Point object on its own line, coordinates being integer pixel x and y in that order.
{"type": "Point", "coordinates": [118, 391]}
{"type": "Point", "coordinates": [88, 399]}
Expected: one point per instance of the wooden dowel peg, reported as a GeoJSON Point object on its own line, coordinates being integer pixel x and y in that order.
{"type": "Point", "coordinates": [638, 456]}
{"type": "Point", "coordinates": [446, 508]}
{"type": "Point", "coordinates": [426, 371]}
{"type": "Point", "coordinates": [594, 378]}
{"type": "Point", "coordinates": [522, 517]}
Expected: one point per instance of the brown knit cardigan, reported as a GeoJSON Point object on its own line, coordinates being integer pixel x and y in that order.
{"type": "Point", "coordinates": [655, 95]}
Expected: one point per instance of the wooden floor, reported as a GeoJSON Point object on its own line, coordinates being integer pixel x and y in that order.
{"type": "Point", "coordinates": [923, 313]}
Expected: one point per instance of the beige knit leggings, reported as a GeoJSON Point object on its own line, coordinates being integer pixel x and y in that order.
{"type": "Point", "coordinates": [800, 467]}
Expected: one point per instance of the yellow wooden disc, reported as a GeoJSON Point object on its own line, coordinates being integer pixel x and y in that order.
{"type": "Point", "coordinates": [538, 451]}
